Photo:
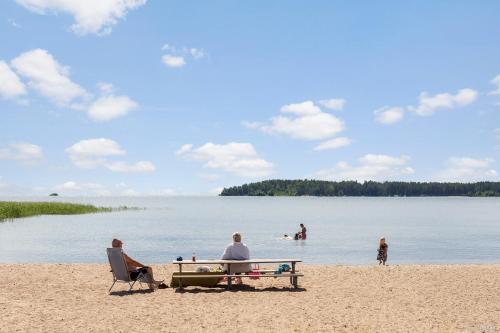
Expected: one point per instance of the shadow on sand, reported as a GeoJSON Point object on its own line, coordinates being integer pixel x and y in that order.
{"type": "Point", "coordinates": [122, 293]}
{"type": "Point", "coordinates": [238, 288]}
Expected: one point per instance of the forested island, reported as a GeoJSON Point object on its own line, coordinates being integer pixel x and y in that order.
{"type": "Point", "coordinates": [279, 187]}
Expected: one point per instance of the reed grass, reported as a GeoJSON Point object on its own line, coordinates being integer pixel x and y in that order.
{"type": "Point", "coordinates": [15, 209]}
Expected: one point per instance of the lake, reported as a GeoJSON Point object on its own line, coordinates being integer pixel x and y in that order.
{"type": "Point", "coordinates": [341, 230]}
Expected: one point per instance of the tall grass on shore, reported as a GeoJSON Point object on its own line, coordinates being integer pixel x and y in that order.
{"type": "Point", "coordinates": [13, 209]}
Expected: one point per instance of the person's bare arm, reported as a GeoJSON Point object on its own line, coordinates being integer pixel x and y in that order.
{"type": "Point", "coordinates": [132, 262]}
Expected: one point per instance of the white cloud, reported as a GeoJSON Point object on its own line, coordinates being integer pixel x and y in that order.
{"type": "Point", "coordinates": [234, 157]}
{"type": "Point", "coordinates": [106, 88]}
{"type": "Point", "coordinates": [48, 77]}
{"type": "Point", "coordinates": [371, 167]}
{"type": "Point", "coordinates": [51, 79]}
{"type": "Point", "coordinates": [306, 108]}
{"type": "Point", "coordinates": [168, 47]}
{"type": "Point", "coordinates": [209, 176]}
{"type": "Point", "coordinates": [14, 24]}
{"type": "Point", "coordinates": [10, 84]}
{"type": "Point", "coordinates": [251, 124]}
{"type": "Point", "coordinates": [196, 53]}
{"type": "Point", "coordinates": [73, 188]}
{"type": "Point", "coordinates": [109, 107]}
{"type": "Point", "coordinates": [91, 16]}
{"type": "Point", "coordinates": [429, 104]}
{"type": "Point", "coordinates": [467, 169]}
{"type": "Point", "coordinates": [304, 121]}
{"type": "Point", "coordinates": [93, 153]}
{"type": "Point", "coordinates": [385, 160]}
{"type": "Point", "coordinates": [177, 57]}
{"type": "Point", "coordinates": [333, 104]}
{"type": "Point", "coordinates": [334, 143]}
{"type": "Point", "coordinates": [389, 115]}
{"type": "Point", "coordinates": [173, 61]}
{"type": "Point", "coordinates": [21, 151]}
{"type": "Point", "coordinates": [495, 81]}
{"type": "Point", "coordinates": [120, 166]}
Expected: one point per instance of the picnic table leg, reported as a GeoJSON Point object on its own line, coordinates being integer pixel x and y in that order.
{"type": "Point", "coordinates": [180, 279]}
{"type": "Point", "coordinates": [229, 282]}
{"type": "Point", "coordinates": [294, 278]}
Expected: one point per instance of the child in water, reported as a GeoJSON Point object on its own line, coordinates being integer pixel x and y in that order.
{"type": "Point", "coordinates": [382, 251]}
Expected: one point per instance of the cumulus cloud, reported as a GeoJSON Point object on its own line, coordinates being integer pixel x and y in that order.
{"type": "Point", "coordinates": [10, 84]}
{"type": "Point", "coordinates": [51, 80]}
{"type": "Point", "coordinates": [303, 121]}
{"type": "Point", "coordinates": [177, 57]}
{"type": "Point", "coordinates": [429, 104]}
{"type": "Point", "coordinates": [93, 153]}
{"type": "Point", "coordinates": [334, 143]}
{"type": "Point", "coordinates": [91, 16]}
{"type": "Point", "coordinates": [48, 77]}
{"type": "Point", "coordinates": [238, 158]}
{"type": "Point", "coordinates": [173, 61]}
{"type": "Point", "coordinates": [110, 107]}
{"type": "Point", "coordinates": [21, 151]}
{"type": "Point", "coordinates": [389, 115]}
{"type": "Point", "coordinates": [495, 81]}
{"type": "Point", "coordinates": [467, 169]}
{"type": "Point", "coordinates": [371, 167]}
{"type": "Point", "coordinates": [333, 104]}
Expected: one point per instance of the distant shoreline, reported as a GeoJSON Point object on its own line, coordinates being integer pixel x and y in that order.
{"type": "Point", "coordinates": [320, 188]}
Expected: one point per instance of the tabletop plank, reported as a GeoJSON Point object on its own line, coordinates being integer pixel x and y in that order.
{"type": "Point", "coordinates": [220, 262]}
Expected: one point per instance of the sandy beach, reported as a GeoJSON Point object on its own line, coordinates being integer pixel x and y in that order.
{"type": "Point", "coordinates": [406, 298]}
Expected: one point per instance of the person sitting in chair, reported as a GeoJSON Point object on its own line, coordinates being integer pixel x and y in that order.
{"type": "Point", "coordinates": [237, 251]}
{"type": "Point", "coordinates": [135, 268]}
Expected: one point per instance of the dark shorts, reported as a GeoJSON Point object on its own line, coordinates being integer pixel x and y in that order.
{"type": "Point", "coordinates": [135, 274]}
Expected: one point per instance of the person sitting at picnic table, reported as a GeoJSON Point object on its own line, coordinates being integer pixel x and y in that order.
{"type": "Point", "coordinates": [237, 251]}
{"type": "Point", "coordinates": [135, 268]}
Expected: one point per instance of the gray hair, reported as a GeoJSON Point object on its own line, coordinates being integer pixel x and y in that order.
{"type": "Point", "coordinates": [237, 237]}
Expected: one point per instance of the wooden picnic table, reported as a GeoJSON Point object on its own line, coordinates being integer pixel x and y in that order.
{"type": "Point", "coordinates": [293, 275]}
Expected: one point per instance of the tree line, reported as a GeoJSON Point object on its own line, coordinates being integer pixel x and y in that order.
{"type": "Point", "coordinates": [282, 187]}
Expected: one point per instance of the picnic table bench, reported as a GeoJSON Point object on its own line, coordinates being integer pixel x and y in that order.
{"type": "Point", "coordinates": [293, 274]}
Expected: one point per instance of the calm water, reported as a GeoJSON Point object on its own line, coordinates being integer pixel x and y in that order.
{"type": "Point", "coordinates": [340, 230]}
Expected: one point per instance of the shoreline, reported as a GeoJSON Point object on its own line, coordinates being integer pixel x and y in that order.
{"type": "Point", "coordinates": [340, 298]}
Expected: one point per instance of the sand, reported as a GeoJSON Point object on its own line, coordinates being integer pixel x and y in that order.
{"type": "Point", "coordinates": [406, 298]}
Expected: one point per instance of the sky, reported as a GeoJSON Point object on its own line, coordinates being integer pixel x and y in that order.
{"type": "Point", "coordinates": [137, 97]}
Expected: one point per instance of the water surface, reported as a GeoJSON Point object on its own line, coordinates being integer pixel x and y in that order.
{"type": "Point", "coordinates": [341, 230]}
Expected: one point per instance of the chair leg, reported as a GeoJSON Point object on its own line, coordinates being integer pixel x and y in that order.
{"type": "Point", "coordinates": [109, 291]}
{"type": "Point", "coordinates": [131, 286]}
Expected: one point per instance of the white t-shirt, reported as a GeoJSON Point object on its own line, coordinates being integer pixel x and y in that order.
{"type": "Point", "coordinates": [236, 251]}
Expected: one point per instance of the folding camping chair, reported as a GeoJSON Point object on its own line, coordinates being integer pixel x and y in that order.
{"type": "Point", "coordinates": [119, 269]}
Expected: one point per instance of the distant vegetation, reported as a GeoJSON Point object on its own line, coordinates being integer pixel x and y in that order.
{"type": "Point", "coordinates": [370, 189]}
{"type": "Point", "coordinates": [11, 209]}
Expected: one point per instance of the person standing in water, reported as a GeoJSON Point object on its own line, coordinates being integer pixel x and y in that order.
{"type": "Point", "coordinates": [382, 251]}
{"type": "Point", "coordinates": [303, 231]}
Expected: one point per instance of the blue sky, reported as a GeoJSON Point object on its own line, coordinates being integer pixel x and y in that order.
{"type": "Point", "coordinates": [117, 97]}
